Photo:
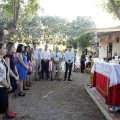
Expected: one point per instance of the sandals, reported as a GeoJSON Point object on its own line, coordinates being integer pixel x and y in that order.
{"type": "Point", "coordinates": [114, 109]}
{"type": "Point", "coordinates": [28, 85]}
{"type": "Point", "coordinates": [25, 88]}
{"type": "Point", "coordinates": [21, 94]}
{"type": "Point", "coordinates": [11, 116]}
{"type": "Point", "coordinates": [90, 85]}
{"type": "Point", "coordinates": [13, 112]}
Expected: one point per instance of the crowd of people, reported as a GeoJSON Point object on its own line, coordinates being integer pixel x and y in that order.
{"type": "Point", "coordinates": [19, 67]}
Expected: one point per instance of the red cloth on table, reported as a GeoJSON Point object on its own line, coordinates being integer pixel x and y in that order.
{"type": "Point", "coordinates": [114, 95]}
{"type": "Point", "coordinates": [102, 84]}
{"type": "Point", "coordinates": [111, 94]}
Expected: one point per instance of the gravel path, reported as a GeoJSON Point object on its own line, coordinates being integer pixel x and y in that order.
{"type": "Point", "coordinates": [57, 100]}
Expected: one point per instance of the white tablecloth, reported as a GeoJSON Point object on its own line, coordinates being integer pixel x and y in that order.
{"type": "Point", "coordinates": [110, 70]}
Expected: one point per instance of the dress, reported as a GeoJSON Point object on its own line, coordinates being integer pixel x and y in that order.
{"type": "Point", "coordinates": [12, 67]}
{"type": "Point", "coordinates": [4, 76]}
{"type": "Point", "coordinates": [22, 71]}
{"type": "Point", "coordinates": [29, 71]}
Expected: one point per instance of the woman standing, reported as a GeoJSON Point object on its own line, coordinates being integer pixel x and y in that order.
{"type": "Point", "coordinates": [4, 83]}
{"type": "Point", "coordinates": [33, 63]}
{"type": "Point", "coordinates": [82, 62]}
{"type": "Point", "coordinates": [29, 71]}
{"type": "Point", "coordinates": [14, 77]}
{"type": "Point", "coordinates": [21, 67]}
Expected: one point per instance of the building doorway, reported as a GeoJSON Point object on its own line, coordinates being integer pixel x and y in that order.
{"type": "Point", "coordinates": [109, 51]}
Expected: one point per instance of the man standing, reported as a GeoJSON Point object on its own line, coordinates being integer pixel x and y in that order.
{"type": "Point", "coordinates": [37, 59]}
{"type": "Point", "coordinates": [69, 58]}
{"type": "Point", "coordinates": [56, 58]}
{"type": "Point", "coordinates": [45, 57]}
{"type": "Point", "coordinates": [82, 62]}
{"type": "Point", "coordinates": [40, 61]}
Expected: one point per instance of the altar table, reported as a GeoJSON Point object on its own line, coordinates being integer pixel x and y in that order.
{"type": "Point", "coordinates": [107, 81]}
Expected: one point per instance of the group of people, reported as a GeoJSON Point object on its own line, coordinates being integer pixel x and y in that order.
{"type": "Point", "coordinates": [19, 67]}
{"type": "Point", "coordinates": [15, 73]}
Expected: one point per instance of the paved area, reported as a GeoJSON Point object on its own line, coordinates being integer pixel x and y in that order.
{"type": "Point", "coordinates": [101, 103]}
{"type": "Point", "coordinates": [57, 100]}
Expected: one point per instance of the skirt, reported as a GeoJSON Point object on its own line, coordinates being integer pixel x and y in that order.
{"type": "Point", "coordinates": [22, 71]}
{"type": "Point", "coordinates": [3, 100]}
{"type": "Point", "coordinates": [13, 84]}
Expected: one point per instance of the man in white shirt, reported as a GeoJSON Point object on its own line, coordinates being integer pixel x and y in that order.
{"type": "Point", "coordinates": [40, 60]}
{"type": "Point", "coordinates": [69, 58]}
{"type": "Point", "coordinates": [45, 57]}
{"type": "Point", "coordinates": [37, 59]}
{"type": "Point", "coordinates": [56, 58]}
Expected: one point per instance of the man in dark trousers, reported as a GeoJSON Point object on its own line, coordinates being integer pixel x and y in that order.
{"type": "Point", "coordinates": [45, 57]}
{"type": "Point", "coordinates": [69, 58]}
{"type": "Point", "coordinates": [82, 61]}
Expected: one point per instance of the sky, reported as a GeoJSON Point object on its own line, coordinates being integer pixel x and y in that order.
{"type": "Point", "coordinates": [70, 9]}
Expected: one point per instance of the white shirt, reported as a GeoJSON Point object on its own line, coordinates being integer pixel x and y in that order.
{"type": "Point", "coordinates": [36, 54]}
{"type": "Point", "coordinates": [45, 54]}
{"type": "Point", "coordinates": [69, 55]}
{"type": "Point", "coordinates": [3, 73]}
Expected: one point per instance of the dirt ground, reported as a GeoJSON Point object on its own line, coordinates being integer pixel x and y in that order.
{"type": "Point", "coordinates": [57, 100]}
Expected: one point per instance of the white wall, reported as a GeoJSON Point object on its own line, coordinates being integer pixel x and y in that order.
{"type": "Point", "coordinates": [103, 49]}
{"type": "Point", "coordinates": [116, 48]}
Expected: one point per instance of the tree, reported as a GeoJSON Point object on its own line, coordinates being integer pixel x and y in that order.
{"type": "Point", "coordinates": [57, 30]}
{"type": "Point", "coordinates": [112, 7]}
{"type": "Point", "coordinates": [81, 25]}
{"type": "Point", "coordinates": [54, 29]}
{"type": "Point", "coordinates": [15, 10]}
{"type": "Point", "coordinates": [50, 29]}
{"type": "Point", "coordinates": [85, 40]}
{"type": "Point", "coordinates": [115, 8]}
{"type": "Point", "coordinates": [78, 32]}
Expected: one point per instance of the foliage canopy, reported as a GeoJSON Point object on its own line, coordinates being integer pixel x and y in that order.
{"type": "Point", "coordinates": [107, 6]}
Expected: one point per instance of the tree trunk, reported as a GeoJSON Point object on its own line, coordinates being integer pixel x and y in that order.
{"type": "Point", "coordinates": [11, 25]}
{"type": "Point", "coordinates": [115, 8]}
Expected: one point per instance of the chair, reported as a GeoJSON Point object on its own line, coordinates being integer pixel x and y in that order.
{"type": "Point", "coordinates": [88, 66]}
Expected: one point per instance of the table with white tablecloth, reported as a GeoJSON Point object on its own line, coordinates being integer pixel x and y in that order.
{"type": "Point", "coordinates": [107, 81]}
